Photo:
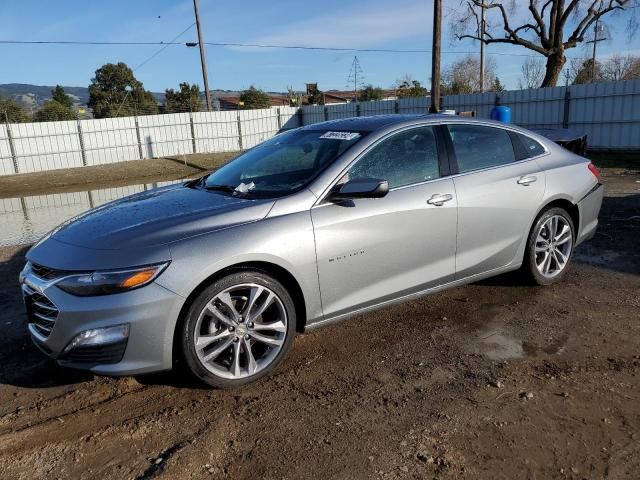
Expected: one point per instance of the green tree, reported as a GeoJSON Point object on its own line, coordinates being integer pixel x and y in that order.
{"type": "Point", "coordinates": [369, 92]}
{"type": "Point", "coordinates": [407, 87]}
{"type": "Point", "coordinates": [12, 111]}
{"type": "Point", "coordinates": [315, 96]}
{"type": "Point", "coordinates": [53, 111]}
{"type": "Point", "coordinates": [60, 96]}
{"type": "Point", "coordinates": [115, 92]}
{"type": "Point", "coordinates": [253, 98]}
{"type": "Point", "coordinates": [497, 86]}
{"type": "Point", "coordinates": [187, 99]}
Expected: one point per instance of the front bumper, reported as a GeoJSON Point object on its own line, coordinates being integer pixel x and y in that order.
{"type": "Point", "coordinates": [151, 313]}
{"type": "Point", "coordinates": [589, 208]}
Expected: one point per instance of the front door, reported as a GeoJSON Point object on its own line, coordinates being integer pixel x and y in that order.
{"type": "Point", "coordinates": [372, 250]}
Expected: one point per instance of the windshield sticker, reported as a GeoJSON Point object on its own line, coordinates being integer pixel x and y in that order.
{"type": "Point", "coordinates": [340, 135]}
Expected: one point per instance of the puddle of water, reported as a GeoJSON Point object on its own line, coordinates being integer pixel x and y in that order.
{"type": "Point", "coordinates": [24, 220]}
{"type": "Point", "coordinates": [496, 343]}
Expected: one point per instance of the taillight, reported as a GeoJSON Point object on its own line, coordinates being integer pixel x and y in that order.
{"type": "Point", "coordinates": [592, 168]}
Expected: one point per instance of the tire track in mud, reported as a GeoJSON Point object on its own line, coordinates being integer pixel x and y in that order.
{"type": "Point", "coordinates": [62, 416]}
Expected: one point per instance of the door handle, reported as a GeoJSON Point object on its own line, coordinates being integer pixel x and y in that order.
{"type": "Point", "coordinates": [527, 180]}
{"type": "Point", "coordinates": [439, 200]}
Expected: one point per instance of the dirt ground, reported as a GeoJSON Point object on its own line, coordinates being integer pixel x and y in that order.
{"type": "Point", "coordinates": [110, 175]}
{"type": "Point", "coordinates": [492, 380]}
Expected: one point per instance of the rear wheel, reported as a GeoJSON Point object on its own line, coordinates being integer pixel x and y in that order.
{"type": "Point", "coordinates": [238, 329]}
{"type": "Point", "coordinates": [549, 247]}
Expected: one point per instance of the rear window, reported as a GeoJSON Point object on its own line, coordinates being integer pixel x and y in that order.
{"type": "Point", "coordinates": [478, 147]}
{"type": "Point", "coordinates": [531, 146]}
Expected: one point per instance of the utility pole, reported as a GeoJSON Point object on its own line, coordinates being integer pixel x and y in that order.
{"type": "Point", "coordinates": [595, 41]}
{"type": "Point", "coordinates": [435, 57]}
{"type": "Point", "coordinates": [203, 61]}
{"type": "Point", "coordinates": [482, 30]}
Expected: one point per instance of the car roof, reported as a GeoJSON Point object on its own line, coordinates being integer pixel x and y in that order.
{"type": "Point", "coordinates": [378, 122]}
{"type": "Point", "coordinates": [368, 124]}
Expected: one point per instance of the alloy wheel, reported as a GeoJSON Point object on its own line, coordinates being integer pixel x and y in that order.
{"type": "Point", "coordinates": [553, 246]}
{"type": "Point", "coordinates": [240, 331]}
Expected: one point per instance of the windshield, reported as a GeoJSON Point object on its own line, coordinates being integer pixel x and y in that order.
{"type": "Point", "coordinates": [282, 165]}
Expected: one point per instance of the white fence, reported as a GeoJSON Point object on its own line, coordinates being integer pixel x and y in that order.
{"type": "Point", "coordinates": [609, 113]}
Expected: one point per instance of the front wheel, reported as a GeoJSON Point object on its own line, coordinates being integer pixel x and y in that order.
{"type": "Point", "coordinates": [238, 329]}
{"type": "Point", "coordinates": [549, 247]}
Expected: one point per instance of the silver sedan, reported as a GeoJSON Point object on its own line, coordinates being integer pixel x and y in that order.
{"type": "Point", "coordinates": [312, 226]}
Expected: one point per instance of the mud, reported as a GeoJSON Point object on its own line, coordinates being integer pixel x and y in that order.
{"type": "Point", "coordinates": [492, 380]}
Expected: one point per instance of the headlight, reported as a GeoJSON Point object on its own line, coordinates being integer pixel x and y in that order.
{"type": "Point", "coordinates": [108, 282]}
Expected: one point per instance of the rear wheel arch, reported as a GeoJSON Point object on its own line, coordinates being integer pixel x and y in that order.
{"type": "Point", "coordinates": [564, 203]}
{"type": "Point", "coordinates": [279, 273]}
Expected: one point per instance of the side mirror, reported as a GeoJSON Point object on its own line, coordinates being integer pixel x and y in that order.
{"type": "Point", "coordinates": [361, 188]}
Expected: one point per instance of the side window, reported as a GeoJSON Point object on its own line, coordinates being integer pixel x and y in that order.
{"type": "Point", "coordinates": [532, 147]}
{"type": "Point", "coordinates": [479, 147]}
{"type": "Point", "coordinates": [404, 159]}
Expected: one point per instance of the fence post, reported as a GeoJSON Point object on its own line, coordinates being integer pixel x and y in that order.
{"type": "Point", "coordinates": [567, 103]}
{"type": "Point", "coordinates": [279, 119]}
{"type": "Point", "coordinates": [135, 119]}
{"type": "Point", "coordinates": [83, 152]}
{"type": "Point", "coordinates": [396, 107]}
{"type": "Point", "coordinates": [497, 101]}
{"type": "Point", "coordinates": [12, 147]}
{"type": "Point", "coordinates": [239, 132]}
{"type": "Point", "coordinates": [300, 117]}
{"type": "Point", "coordinates": [326, 113]}
{"type": "Point", "coordinates": [193, 132]}
{"type": "Point", "coordinates": [357, 109]}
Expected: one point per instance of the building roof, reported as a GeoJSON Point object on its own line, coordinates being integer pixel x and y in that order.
{"type": "Point", "coordinates": [232, 102]}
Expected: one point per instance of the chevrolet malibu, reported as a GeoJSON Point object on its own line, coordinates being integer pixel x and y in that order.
{"type": "Point", "coordinates": [313, 226]}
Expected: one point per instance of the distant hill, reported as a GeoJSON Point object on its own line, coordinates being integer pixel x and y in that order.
{"type": "Point", "coordinates": [34, 96]}
{"type": "Point", "coordinates": [37, 95]}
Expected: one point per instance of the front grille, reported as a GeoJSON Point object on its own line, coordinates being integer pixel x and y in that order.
{"type": "Point", "coordinates": [46, 273]}
{"type": "Point", "coordinates": [41, 312]}
{"type": "Point", "coordinates": [96, 354]}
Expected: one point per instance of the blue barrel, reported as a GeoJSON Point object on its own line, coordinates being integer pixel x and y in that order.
{"type": "Point", "coordinates": [501, 113]}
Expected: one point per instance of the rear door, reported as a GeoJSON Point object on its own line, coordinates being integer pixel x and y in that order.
{"type": "Point", "coordinates": [498, 193]}
{"type": "Point", "coordinates": [372, 250]}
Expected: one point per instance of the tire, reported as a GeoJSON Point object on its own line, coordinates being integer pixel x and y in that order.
{"type": "Point", "coordinates": [559, 249]}
{"type": "Point", "coordinates": [238, 329]}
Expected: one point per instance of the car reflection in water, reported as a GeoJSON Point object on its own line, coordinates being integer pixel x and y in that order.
{"type": "Point", "coordinates": [25, 219]}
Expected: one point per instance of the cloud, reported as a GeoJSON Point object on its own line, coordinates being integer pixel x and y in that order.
{"type": "Point", "coordinates": [368, 26]}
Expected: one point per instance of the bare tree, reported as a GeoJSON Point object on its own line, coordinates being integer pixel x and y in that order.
{"type": "Point", "coordinates": [532, 73]}
{"type": "Point", "coordinates": [548, 27]}
{"type": "Point", "coordinates": [462, 76]}
{"type": "Point", "coordinates": [617, 67]}
{"type": "Point", "coordinates": [621, 67]}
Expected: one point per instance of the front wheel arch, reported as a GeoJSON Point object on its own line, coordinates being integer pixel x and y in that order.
{"type": "Point", "coordinates": [279, 273]}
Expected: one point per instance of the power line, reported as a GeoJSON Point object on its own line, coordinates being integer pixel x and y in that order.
{"type": "Point", "coordinates": [148, 59]}
{"type": "Point", "coordinates": [167, 44]}
{"type": "Point", "coordinates": [254, 45]}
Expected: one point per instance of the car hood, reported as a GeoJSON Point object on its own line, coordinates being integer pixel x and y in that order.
{"type": "Point", "coordinates": [159, 217]}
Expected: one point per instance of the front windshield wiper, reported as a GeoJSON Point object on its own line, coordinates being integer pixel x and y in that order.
{"type": "Point", "coordinates": [226, 188]}
{"type": "Point", "coordinates": [196, 182]}
{"type": "Point", "coordinates": [220, 188]}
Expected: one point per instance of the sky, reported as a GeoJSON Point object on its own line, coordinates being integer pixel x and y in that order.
{"type": "Point", "coordinates": [383, 24]}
